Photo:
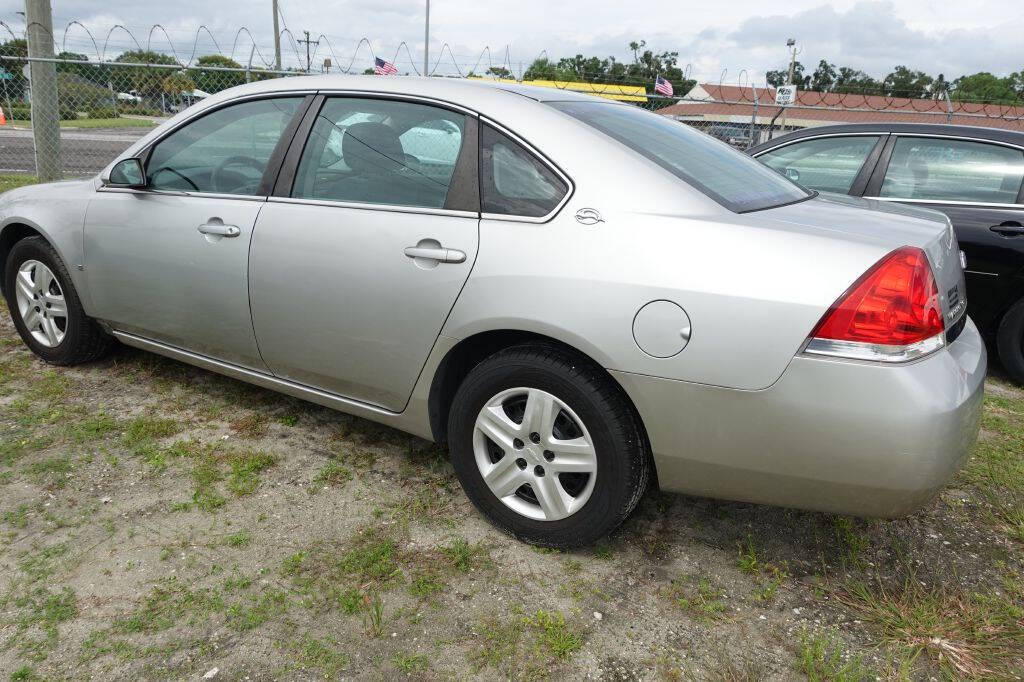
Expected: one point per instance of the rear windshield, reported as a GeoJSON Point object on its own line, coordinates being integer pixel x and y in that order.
{"type": "Point", "coordinates": [730, 177]}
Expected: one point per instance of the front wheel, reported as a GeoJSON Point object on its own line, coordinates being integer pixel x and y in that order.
{"type": "Point", "coordinates": [45, 307]}
{"type": "Point", "coordinates": [547, 447]}
{"type": "Point", "coordinates": [1010, 341]}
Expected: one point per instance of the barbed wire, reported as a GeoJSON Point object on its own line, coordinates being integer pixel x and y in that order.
{"type": "Point", "coordinates": [852, 98]}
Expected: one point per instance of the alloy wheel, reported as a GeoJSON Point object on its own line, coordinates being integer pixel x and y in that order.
{"type": "Point", "coordinates": [41, 303]}
{"type": "Point", "coordinates": [534, 454]}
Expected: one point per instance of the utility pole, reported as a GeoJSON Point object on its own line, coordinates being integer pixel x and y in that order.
{"type": "Point", "coordinates": [791, 44]}
{"type": "Point", "coordinates": [426, 42]}
{"type": "Point", "coordinates": [308, 42]}
{"type": "Point", "coordinates": [43, 78]}
{"type": "Point", "coordinates": [277, 38]}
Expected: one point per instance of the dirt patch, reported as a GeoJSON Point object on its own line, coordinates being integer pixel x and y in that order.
{"type": "Point", "coordinates": [158, 521]}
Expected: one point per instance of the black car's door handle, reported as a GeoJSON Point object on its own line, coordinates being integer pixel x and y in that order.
{"type": "Point", "coordinates": [1010, 228]}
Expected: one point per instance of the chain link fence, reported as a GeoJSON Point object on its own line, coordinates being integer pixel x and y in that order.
{"type": "Point", "coordinates": [103, 107]}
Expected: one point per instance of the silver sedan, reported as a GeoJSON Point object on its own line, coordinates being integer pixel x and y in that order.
{"type": "Point", "coordinates": [579, 297]}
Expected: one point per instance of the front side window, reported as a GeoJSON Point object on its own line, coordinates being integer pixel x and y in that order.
{"type": "Point", "coordinates": [940, 169]}
{"type": "Point", "coordinates": [827, 164]}
{"type": "Point", "coordinates": [377, 151]}
{"type": "Point", "coordinates": [730, 177]}
{"type": "Point", "coordinates": [513, 181]}
{"type": "Point", "coordinates": [225, 151]}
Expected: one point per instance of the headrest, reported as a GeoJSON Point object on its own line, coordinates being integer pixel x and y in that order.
{"type": "Point", "coordinates": [372, 148]}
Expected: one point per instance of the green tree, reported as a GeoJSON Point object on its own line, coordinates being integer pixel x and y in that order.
{"type": "Point", "coordinates": [146, 81]}
{"type": "Point", "coordinates": [15, 87]}
{"type": "Point", "coordinates": [854, 80]}
{"type": "Point", "coordinates": [824, 77]}
{"type": "Point", "coordinates": [984, 87]}
{"type": "Point", "coordinates": [781, 77]}
{"type": "Point", "coordinates": [500, 72]}
{"type": "Point", "coordinates": [543, 68]}
{"type": "Point", "coordinates": [905, 82]}
{"type": "Point", "coordinates": [215, 81]}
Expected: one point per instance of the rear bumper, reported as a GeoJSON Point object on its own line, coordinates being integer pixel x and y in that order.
{"type": "Point", "coordinates": [831, 435]}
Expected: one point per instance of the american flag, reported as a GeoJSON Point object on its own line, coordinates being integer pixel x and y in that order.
{"type": "Point", "coordinates": [663, 86]}
{"type": "Point", "coordinates": [383, 68]}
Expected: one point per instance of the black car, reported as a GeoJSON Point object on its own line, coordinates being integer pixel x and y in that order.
{"type": "Point", "coordinates": [974, 175]}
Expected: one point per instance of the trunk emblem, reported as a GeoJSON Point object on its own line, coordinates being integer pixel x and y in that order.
{"type": "Point", "coordinates": [588, 216]}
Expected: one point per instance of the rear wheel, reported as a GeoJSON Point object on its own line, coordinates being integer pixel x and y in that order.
{"type": "Point", "coordinates": [45, 307]}
{"type": "Point", "coordinates": [546, 446]}
{"type": "Point", "coordinates": [1010, 341]}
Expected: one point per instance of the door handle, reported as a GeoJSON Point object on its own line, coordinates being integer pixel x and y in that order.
{"type": "Point", "coordinates": [1010, 228]}
{"type": "Point", "coordinates": [439, 254]}
{"type": "Point", "coordinates": [219, 230]}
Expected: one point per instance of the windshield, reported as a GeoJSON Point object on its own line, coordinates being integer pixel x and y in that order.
{"type": "Point", "coordinates": [731, 178]}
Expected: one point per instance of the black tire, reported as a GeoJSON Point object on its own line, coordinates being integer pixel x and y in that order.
{"type": "Point", "coordinates": [83, 339]}
{"type": "Point", "coordinates": [623, 462]}
{"type": "Point", "coordinates": [1010, 341]}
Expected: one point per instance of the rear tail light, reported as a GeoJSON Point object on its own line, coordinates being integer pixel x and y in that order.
{"type": "Point", "coordinates": [892, 313]}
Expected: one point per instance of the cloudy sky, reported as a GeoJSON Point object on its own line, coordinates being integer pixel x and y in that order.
{"type": "Point", "coordinates": [873, 35]}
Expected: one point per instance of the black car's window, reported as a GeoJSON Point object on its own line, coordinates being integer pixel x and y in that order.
{"type": "Point", "coordinates": [953, 170]}
{"type": "Point", "coordinates": [225, 151]}
{"type": "Point", "coordinates": [380, 152]}
{"type": "Point", "coordinates": [513, 181]}
{"type": "Point", "coordinates": [730, 177]}
{"type": "Point", "coordinates": [827, 164]}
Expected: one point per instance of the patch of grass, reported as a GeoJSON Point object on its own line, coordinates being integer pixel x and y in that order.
{"type": "Point", "coordinates": [746, 559]}
{"type": "Point", "coordinates": [243, 478]}
{"type": "Point", "coordinates": [964, 634]}
{"type": "Point", "coordinates": [239, 540]}
{"type": "Point", "coordinates": [92, 428]}
{"type": "Point", "coordinates": [821, 660]}
{"type": "Point", "coordinates": [51, 472]}
{"type": "Point", "coordinates": [147, 429]}
{"type": "Point", "coordinates": [252, 425]}
{"type": "Point", "coordinates": [426, 584]}
{"type": "Point", "coordinates": [170, 603]}
{"type": "Point", "coordinates": [333, 473]}
{"type": "Point", "coordinates": [50, 387]}
{"type": "Point", "coordinates": [852, 539]}
{"type": "Point", "coordinates": [257, 611]}
{"type": "Point", "coordinates": [373, 620]}
{"type": "Point", "coordinates": [288, 419]}
{"type": "Point", "coordinates": [462, 555]}
{"type": "Point", "coordinates": [17, 517]}
{"type": "Point", "coordinates": [554, 635]}
{"type": "Point", "coordinates": [408, 664]}
{"type": "Point", "coordinates": [322, 655]}
{"type": "Point", "coordinates": [240, 469]}
{"type": "Point", "coordinates": [24, 673]}
{"type": "Point", "coordinates": [525, 647]}
{"type": "Point", "coordinates": [704, 602]}
{"type": "Point", "coordinates": [995, 468]}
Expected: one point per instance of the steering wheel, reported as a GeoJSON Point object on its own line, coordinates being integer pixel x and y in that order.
{"type": "Point", "coordinates": [219, 178]}
{"type": "Point", "coordinates": [168, 169]}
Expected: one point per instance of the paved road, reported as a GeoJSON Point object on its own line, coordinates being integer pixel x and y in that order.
{"type": "Point", "coordinates": [83, 152]}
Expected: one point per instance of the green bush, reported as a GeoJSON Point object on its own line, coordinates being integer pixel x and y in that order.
{"type": "Point", "coordinates": [101, 112]}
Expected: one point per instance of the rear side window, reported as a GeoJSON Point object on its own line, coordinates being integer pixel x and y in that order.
{"type": "Point", "coordinates": [730, 177]}
{"type": "Point", "coordinates": [379, 151]}
{"type": "Point", "coordinates": [827, 164]}
{"type": "Point", "coordinates": [513, 181]}
{"type": "Point", "coordinates": [940, 169]}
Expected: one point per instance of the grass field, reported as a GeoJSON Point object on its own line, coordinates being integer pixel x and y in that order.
{"type": "Point", "coordinates": [12, 180]}
{"type": "Point", "coordinates": [119, 122]}
{"type": "Point", "coordinates": [159, 522]}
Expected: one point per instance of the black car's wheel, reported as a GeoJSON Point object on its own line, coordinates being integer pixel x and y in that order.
{"type": "Point", "coordinates": [546, 446]}
{"type": "Point", "coordinates": [1010, 341]}
{"type": "Point", "coordinates": [45, 306]}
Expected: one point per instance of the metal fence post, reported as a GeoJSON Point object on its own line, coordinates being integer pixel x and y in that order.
{"type": "Point", "coordinates": [45, 110]}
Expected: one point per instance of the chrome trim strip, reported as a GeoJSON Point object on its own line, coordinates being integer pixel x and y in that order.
{"type": "Point", "coordinates": [258, 378]}
{"type": "Point", "coordinates": [547, 162]}
{"type": "Point", "coordinates": [965, 138]}
{"type": "Point", "coordinates": [979, 272]}
{"type": "Point", "coordinates": [377, 94]}
{"type": "Point", "coordinates": [181, 193]}
{"type": "Point", "coordinates": [980, 204]}
{"type": "Point", "coordinates": [818, 137]}
{"type": "Point", "coordinates": [878, 352]}
{"type": "Point", "coordinates": [394, 208]}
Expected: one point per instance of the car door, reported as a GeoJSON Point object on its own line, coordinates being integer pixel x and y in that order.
{"type": "Point", "coordinates": [359, 257]}
{"type": "Point", "coordinates": [840, 163]}
{"type": "Point", "coordinates": [978, 184]}
{"type": "Point", "coordinates": [170, 262]}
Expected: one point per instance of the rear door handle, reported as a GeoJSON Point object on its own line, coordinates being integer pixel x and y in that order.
{"type": "Point", "coordinates": [1009, 229]}
{"type": "Point", "coordinates": [219, 230]}
{"type": "Point", "coordinates": [439, 254]}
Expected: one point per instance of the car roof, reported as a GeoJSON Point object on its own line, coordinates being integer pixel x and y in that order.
{"type": "Point", "coordinates": [465, 91]}
{"type": "Point", "coordinates": [978, 132]}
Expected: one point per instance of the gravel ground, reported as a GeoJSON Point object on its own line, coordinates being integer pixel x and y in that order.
{"type": "Point", "coordinates": [161, 522]}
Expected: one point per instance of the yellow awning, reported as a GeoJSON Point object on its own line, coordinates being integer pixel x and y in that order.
{"type": "Point", "coordinates": [625, 93]}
